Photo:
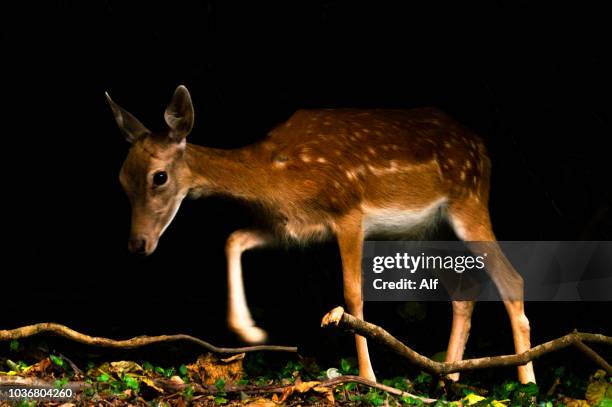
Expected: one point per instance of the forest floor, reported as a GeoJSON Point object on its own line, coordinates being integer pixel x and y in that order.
{"type": "Point", "coordinates": [249, 380]}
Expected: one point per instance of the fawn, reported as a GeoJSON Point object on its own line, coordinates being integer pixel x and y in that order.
{"type": "Point", "coordinates": [347, 173]}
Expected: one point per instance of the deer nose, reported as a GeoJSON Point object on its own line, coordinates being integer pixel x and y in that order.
{"type": "Point", "coordinates": [137, 244]}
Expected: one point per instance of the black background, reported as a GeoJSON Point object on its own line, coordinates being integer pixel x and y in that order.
{"type": "Point", "coordinates": [532, 78]}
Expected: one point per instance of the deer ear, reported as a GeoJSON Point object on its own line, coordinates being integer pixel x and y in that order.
{"type": "Point", "coordinates": [179, 114]}
{"type": "Point", "coordinates": [130, 126]}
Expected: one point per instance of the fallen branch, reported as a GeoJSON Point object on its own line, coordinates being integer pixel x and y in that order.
{"type": "Point", "coordinates": [337, 317]}
{"type": "Point", "coordinates": [139, 341]}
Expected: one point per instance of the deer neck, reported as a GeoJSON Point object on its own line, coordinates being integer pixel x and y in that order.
{"type": "Point", "coordinates": [224, 172]}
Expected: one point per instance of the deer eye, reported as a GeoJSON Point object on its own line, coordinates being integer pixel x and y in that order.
{"type": "Point", "coordinates": [160, 178]}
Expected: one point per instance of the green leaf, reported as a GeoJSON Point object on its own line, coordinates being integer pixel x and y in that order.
{"type": "Point", "coordinates": [411, 401]}
{"type": "Point", "coordinates": [57, 361]}
{"type": "Point", "coordinates": [374, 398]}
{"type": "Point", "coordinates": [103, 378]}
{"type": "Point", "coordinates": [183, 370]}
{"type": "Point", "coordinates": [220, 385]}
{"type": "Point", "coordinates": [423, 378]}
{"type": "Point", "coordinates": [439, 356]}
{"type": "Point", "coordinates": [14, 345]}
{"type": "Point", "coordinates": [529, 389]}
{"type": "Point", "coordinates": [188, 393]}
{"type": "Point", "coordinates": [131, 383]}
{"type": "Point", "coordinates": [60, 383]}
{"type": "Point", "coordinates": [116, 387]}
{"type": "Point", "coordinates": [148, 366]}
{"type": "Point", "coordinates": [510, 386]}
{"type": "Point", "coordinates": [345, 366]}
{"type": "Point", "coordinates": [220, 400]}
{"type": "Point", "coordinates": [350, 386]}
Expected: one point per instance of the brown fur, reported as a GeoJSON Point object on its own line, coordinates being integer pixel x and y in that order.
{"type": "Point", "coordinates": [321, 164]}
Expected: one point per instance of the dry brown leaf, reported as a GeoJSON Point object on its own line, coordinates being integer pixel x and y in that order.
{"type": "Point", "coordinates": [298, 387]}
{"type": "Point", "coordinates": [149, 382]}
{"type": "Point", "coordinates": [261, 402]}
{"type": "Point", "coordinates": [570, 402]}
{"type": "Point", "coordinates": [303, 387]}
{"type": "Point", "coordinates": [125, 366]}
{"type": "Point", "coordinates": [38, 368]}
{"type": "Point", "coordinates": [327, 391]}
{"type": "Point", "coordinates": [598, 388]}
{"type": "Point", "coordinates": [208, 369]}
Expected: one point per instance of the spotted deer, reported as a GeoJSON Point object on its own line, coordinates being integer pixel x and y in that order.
{"type": "Point", "coordinates": [343, 173]}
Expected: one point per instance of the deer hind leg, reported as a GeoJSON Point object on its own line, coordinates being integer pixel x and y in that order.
{"type": "Point", "coordinates": [349, 232]}
{"type": "Point", "coordinates": [470, 220]}
{"type": "Point", "coordinates": [238, 315]}
{"type": "Point", "coordinates": [460, 330]}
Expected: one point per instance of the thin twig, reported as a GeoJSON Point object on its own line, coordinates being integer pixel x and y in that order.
{"type": "Point", "coordinates": [74, 367]}
{"type": "Point", "coordinates": [379, 386]}
{"type": "Point", "coordinates": [139, 341]}
{"type": "Point", "coordinates": [337, 317]}
{"type": "Point", "coordinates": [587, 350]}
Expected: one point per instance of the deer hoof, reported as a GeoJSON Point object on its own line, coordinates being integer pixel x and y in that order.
{"type": "Point", "coordinates": [251, 334]}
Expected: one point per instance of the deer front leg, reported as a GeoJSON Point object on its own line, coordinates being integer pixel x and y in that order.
{"type": "Point", "coordinates": [471, 222]}
{"type": "Point", "coordinates": [238, 315]}
{"type": "Point", "coordinates": [349, 232]}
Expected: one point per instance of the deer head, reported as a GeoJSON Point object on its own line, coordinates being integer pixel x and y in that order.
{"type": "Point", "coordinates": [155, 175]}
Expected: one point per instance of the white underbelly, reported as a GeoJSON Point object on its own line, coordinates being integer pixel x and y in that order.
{"type": "Point", "coordinates": [399, 221]}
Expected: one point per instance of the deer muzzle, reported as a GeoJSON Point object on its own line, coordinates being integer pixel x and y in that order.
{"type": "Point", "coordinates": [140, 244]}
